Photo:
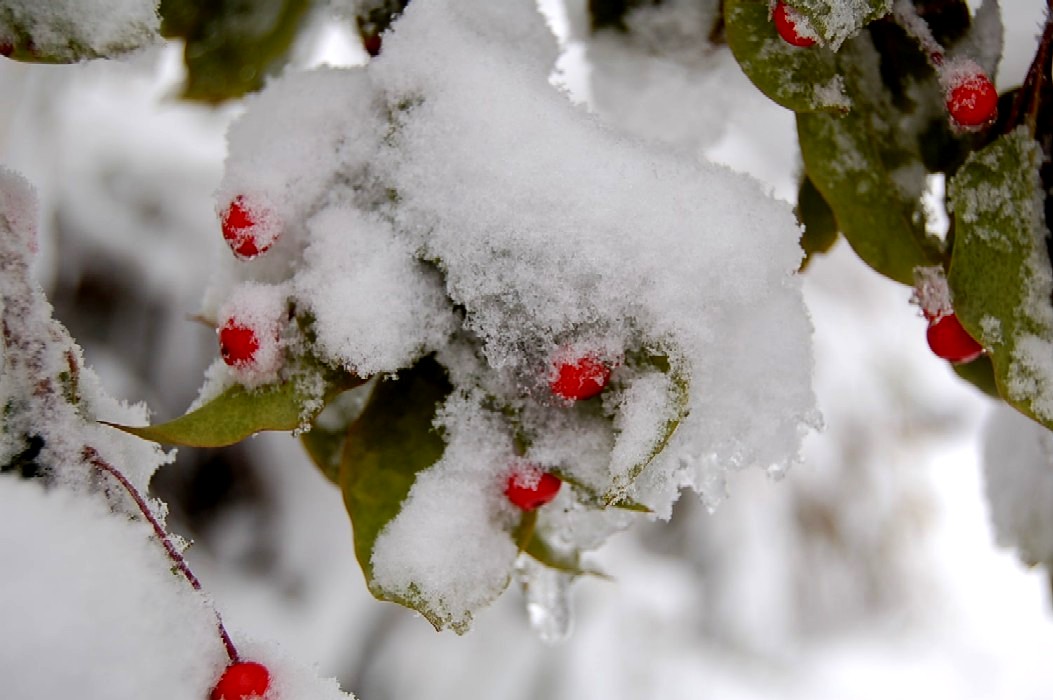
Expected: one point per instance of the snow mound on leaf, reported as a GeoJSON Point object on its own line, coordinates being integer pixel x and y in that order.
{"type": "Point", "coordinates": [447, 199]}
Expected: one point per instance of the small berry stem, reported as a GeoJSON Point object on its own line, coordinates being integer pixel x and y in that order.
{"type": "Point", "coordinates": [907, 16]}
{"type": "Point", "coordinates": [92, 456]}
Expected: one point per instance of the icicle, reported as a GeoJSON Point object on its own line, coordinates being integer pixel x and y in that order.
{"type": "Point", "coordinates": [547, 601]}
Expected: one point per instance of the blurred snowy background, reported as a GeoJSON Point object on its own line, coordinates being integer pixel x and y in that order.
{"type": "Point", "coordinates": [870, 571]}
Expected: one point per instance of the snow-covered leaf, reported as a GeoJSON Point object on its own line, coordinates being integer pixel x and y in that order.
{"type": "Point", "coordinates": [1000, 271]}
{"type": "Point", "coordinates": [843, 161]}
{"type": "Point", "coordinates": [390, 443]}
{"type": "Point", "coordinates": [804, 80]}
{"type": "Point", "coordinates": [837, 20]}
{"type": "Point", "coordinates": [67, 31]}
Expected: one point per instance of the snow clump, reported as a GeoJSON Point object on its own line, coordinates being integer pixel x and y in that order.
{"type": "Point", "coordinates": [446, 200]}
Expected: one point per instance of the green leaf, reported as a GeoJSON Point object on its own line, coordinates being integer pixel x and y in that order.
{"type": "Point", "coordinates": [387, 446]}
{"type": "Point", "coordinates": [1000, 270]}
{"type": "Point", "coordinates": [836, 20]}
{"type": "Point", "coordinates": [817, 218]}
{"type": "Point", "coordinates": [842, 160]}
{"type": "Point", "coordinates": [980, 373]}
{"type": "Point", "coordinates": [804, 80]}
{"type": "Point", "coordinates": [232, 416]}
{"type": "Point", "coordinates": [325, 448]}
{"type": "Point", "coordinates": [232, 45]}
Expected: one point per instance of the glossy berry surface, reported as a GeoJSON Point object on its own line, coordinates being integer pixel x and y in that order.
{"type": "Point", "coordinates": [242, 680]}
{"type": "Point", "coordinates": [238, 344]}
{"type": "Point", "coordinates": [786, 22]}
{"type": "Point", "coordinates": [531, 488]}
{"type": "Point", "coordinates": [579, 379]}
{"type": "Point", "coordinates": [972, 102]}
{"type": "Point", "coordinates": [949, 340]}
{"type": "Point", "coordinates": [240, 230]}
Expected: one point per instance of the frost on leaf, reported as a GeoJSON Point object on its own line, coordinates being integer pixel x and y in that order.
{"type": "Point", "coordinates": [64, 31]}
{"type": "Point", "coordinates": [1000, 272]}
{"type": "Point", "coordinates": [804, 80]}
{"type": "Point", "coordinates": [452, 223]}
{"type": "Point", "coordinates": [838, 20]}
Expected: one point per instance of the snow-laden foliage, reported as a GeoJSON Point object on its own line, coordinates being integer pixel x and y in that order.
{"type": "Point", "coordinates": [71, 30]}
{"type": "Point", "coordinates": [446, 200]}
{"type": "Point", "coordinates": [92, 605]}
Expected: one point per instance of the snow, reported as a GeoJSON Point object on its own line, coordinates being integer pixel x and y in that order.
{"type": "Point", "coordinates": [1018, 473]}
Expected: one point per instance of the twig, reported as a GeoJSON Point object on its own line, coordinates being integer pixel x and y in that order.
{"type": "Point", "coordinates": [91, 455]}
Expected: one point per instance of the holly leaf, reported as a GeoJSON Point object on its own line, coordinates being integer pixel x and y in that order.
{"type": "Point", "coordinates": [1000, 269]}
{"type": "Point", "coordinates": [390, 443]}
{"type": "Point", "coordinates": [804, 80]}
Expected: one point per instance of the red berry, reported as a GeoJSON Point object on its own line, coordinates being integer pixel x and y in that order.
{"type": "Point", "coordinates": [579, 379]}
{"type": "Point", "coordinates": [372, 43]}
{"type": "Point", "coordinates": [787, 20]}
{"type": "Point", "coordinates": [530, 488]}
{"type": "Point", "coordinates": [972, 101]}
{"type": "Point", "coordinates": [238, 344]}
{"type": "Point", "coordinates": [243, 231]}
{"type": "Point", "coordinates": [949, 340]}
{"type": "Point", "coordinates": [242, 680]}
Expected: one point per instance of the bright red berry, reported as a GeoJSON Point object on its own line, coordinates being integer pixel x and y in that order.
{"type": "Point", "coordinates": [972, 101]}
{"type": "Point", "coordinates": [242, 680]}
{"type": "Point", "coordinates": [949, 340]}
{"type": "Point", "coordinates": [238, 344]}
{"type": "Point", "coordinates": [578, 379]}
{"type": "Point", "coordinates": [244, 229]}
{"type": "Point", "coordinates": [788, 22]}
{"type": "Point", "coordinates": [530, 488]}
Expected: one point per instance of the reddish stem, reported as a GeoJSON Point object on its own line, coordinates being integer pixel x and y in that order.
{"type": "Point", "coordinates": [92, 456]}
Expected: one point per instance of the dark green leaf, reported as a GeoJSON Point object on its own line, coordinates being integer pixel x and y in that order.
{"type": "Point", "coordinates": [804, 80]}
{"type": "Point", "coordinates": [842, 160]}
{"type": "Point", "coordinates": [232, 45]}
{"type": "Point", "coordinates": [979, 373]}
{"type": "Point", "coordinates": [325, 448]}
{"type": "Point", "coordinates": [387, 446]}
{"type": "Point", "coordinates": [1000, 270]}
{"type": "Point", "coordinates": [820, 226]}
